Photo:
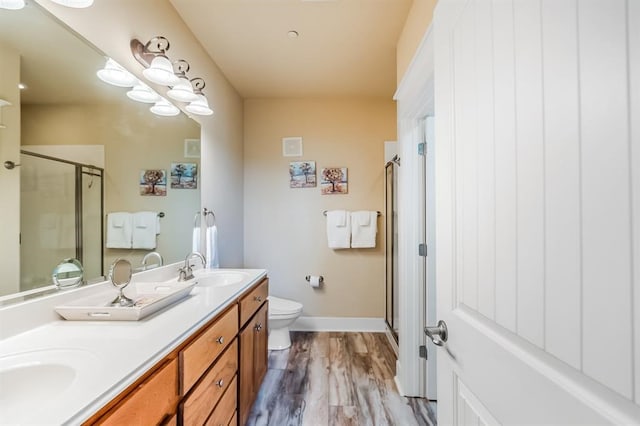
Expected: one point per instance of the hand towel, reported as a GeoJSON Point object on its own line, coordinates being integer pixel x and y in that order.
{"type": "Point", "coordinates": [211, 243]}
{"type": "Point", "coordinates": [364, 229]}
{"type": "Point", "coordinates": [119, 230]}
{"type": "Point", "coordinates": [144, 230]}
{"type": "Point", "coordinates": [338, 229]}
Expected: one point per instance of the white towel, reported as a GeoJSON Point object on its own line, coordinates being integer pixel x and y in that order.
{"type": "Point", "coordinates": [363, 229]}
{"type": "Point", "coordinates": [119, 229]}
{"type": "Point", "coordinates": [211, 243]}
{"type": "Point", "coordinates": [338, 229]}
{"type": "Point", "coordinates": [144, 232]}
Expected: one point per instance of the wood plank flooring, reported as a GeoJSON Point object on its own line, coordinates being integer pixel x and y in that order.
{"type": "Point", "coordinates": [335, 379]}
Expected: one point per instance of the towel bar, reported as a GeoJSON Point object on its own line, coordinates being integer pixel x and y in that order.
{"type": "Point", "coordinates": [325, 213]}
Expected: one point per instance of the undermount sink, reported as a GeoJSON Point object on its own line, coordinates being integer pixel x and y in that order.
{"type": "Point", "coordinates": [38, 377]}
{"type": "Point", "coordinates": [221, 278]}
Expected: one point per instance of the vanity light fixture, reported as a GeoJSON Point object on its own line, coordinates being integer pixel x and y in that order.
{"type": "Point", "coordinates": [143, 93]}
{"type": "Point", "coordinates": [183, 90]}
{"type": "Point", "coordinates": [11, 4]}
{"type": "Point", "coordinates": [158, 68]}
{"type": "Point", "coordinates": [165, 108]}
{"type": "Point", "coordinates": [201, 105]}
{"type": "Point", "coordinates": [113, 73]}
{"type": "Point", "coordinates": [78, 4]}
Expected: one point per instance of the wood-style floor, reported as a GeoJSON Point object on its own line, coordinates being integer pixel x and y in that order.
{"type": "Point", "coordinates": [336, 379]}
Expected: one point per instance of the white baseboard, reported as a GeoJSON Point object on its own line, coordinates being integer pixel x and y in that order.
{"type": "Point", "coordinates": [338, 324]}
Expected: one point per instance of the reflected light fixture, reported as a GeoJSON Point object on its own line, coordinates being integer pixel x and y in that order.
{"type": "Point", "coordinates": [165, 108]}
{"type": "Point", "coordinates": [201, 105]}
{"type": "Point", "coordinates": [78, 4]}
{"type": "Point", "coordinates": [11, 4]}
{"type": "Point", "coordinates": [143, 93]}
{"type": "Point", "coordinates": [113, 73]}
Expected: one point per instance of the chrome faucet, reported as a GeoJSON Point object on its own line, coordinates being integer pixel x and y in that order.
{"type": "Point", "coordinates": [186, 273]}
{"type": "Point", "coordinates": [150, 255]}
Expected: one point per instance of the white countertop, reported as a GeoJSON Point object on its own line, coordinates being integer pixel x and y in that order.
{"type": "Point", "coordinates": [108, 355]}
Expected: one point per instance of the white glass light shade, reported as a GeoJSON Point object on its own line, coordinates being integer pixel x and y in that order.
{"type": "Point", "coordinates": [11, 4]}
{"type": "Point", "coordinates": [183, 91]}
{"type": "Point", "coordinates": [199, 107]}
{"type": "Point", "coordinates": [161, 72]}
{"type": "Point", "coordinates": [165, 108]}
{"type": "Point", "coordinates": [143, 93]}
{"type": "Point", "coordinates": [113, 73]}
{"type": "Point", "coordinates": [74, 3]}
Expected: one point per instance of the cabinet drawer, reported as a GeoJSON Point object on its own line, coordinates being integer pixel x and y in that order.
{"type": "Point", "coordinates": [149, 403]}
{"type": "Point", "coordinates": [252, 301]}
{"type": "Point", "coordinates": [226, 408]}
{"type": "Point", "coordinates": [199, 404]}
{"type": "Point", "coordinates": [199, 354]}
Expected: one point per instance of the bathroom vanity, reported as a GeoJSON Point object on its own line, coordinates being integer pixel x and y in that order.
{"type": "Point", "coordinates": [200, 361]}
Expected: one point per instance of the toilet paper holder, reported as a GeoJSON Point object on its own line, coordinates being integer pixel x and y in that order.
{"type": "Point", "coordinates": [308, 278]}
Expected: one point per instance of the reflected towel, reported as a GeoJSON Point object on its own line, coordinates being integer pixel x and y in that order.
{"type": "Point", "coordinates": [119, 230]}
{"type": "Point", "coordinates": [144, 231]}
{"type": "Point", "coordinates": [211, 250]}
{"type": "Point", "coordinates": [364, 229]}
{"type": "Point", "coordinates": [338, 229]}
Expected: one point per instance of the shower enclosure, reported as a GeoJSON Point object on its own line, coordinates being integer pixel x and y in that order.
{"type": "Point", "coordinates": [61, 210]}
{"type": "Point", "coordinates": [391, 255]}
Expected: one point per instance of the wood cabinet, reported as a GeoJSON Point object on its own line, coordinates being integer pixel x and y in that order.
{"type": "Point", "coordinates": [253, 348]}
{"type": "Point", "coordinates": [151, 402]}
{"type": "Point", "coordinates": [210, 379]}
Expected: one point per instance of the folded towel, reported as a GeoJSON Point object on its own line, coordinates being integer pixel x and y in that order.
{"type": "Point", "coordinates": [211, 243]}
{"type": "Point", "coordinates": [364, 229]}
{"type": "Point", "coordinates": [119, 230]}
{"type": "Point", "coordinates": [144, 230]}
{"type": "Point", "coordinates": [338, 229]}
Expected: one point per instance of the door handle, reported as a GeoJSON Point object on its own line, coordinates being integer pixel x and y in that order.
{"type": "Point", "coordinates": [438, 334]}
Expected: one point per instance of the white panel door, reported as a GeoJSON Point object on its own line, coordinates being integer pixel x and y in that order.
{"type": "Point", "coordinates": [537, 211]}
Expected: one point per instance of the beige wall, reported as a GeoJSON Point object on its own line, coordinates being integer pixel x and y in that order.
{"type": "Point", "coordinates": [133, 140]}
{"type": "Point", "coordinates": [417, 23]}
{"type": "Point", "coordinates": [10, 179]}
{"type": "Point", "coordinates": [110, 25]}
{"type": "Point", "coordinates": [285, 228]}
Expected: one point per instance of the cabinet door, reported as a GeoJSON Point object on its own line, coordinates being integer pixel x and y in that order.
{"type": "Point", "coordinates": [156, 398]}
{"type": "Point", "coordinates": [253, 360]}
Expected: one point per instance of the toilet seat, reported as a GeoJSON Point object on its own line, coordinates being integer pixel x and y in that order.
{"type": "Point", "coordinates": [283, 307]}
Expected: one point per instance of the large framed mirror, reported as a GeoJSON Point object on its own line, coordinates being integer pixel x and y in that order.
{"type": "Point", "coordinates": [65, 117]}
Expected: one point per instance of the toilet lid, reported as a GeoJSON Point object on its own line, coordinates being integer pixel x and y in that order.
{"type": "Point", "coordinates": [283, 306]}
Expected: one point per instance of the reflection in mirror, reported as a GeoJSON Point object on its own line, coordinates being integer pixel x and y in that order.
{"type": "Point", "coordinates": [120, 276]}
{"type": "Point", "coordinates": [68, 274]}
{"type": "Point", "coordinates": [67, 113]}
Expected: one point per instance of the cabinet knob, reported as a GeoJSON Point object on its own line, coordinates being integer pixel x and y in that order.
{"type": "Point", "coordinates": [220, 383]}
{"type": "Point", "coordinates": [258, 298]}
{"type": "Point", "coordinates": [258, 326]}
{"type": "Point", "coordinates": [220, 340]}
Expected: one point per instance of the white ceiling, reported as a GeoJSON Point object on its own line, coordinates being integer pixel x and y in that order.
{"type": "Point", "coordinates": [345, 47]}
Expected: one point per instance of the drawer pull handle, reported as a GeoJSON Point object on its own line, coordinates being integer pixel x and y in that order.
{"type": "Point", "coordinates": [257, 298]}
{"type": "Point", "coordinates": [220, 383]}
{"type": "Point", "coordinates": [258, 326]}
{"type": "Point", "coordinates": [220, 340]}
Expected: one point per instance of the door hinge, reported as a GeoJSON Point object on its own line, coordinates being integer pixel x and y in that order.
{"type": "Point", "coordinates": [422, 250]}
{"type": "Point", "coordinates": [422, 351]}
{"type": "Point", "coordinates": [422, 148]}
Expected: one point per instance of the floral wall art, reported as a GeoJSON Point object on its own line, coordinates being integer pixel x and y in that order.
{"type": "Point", "coordinates": [184, 176]}
{"type": "Point", "coordinates": [153, 182]}
{"type": "Point", "coordinates": [333, 180]}
{"type": "Point", "coordinates": [302, 174]}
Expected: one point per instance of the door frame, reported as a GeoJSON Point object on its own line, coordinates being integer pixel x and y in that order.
{"type": "Point", "coordinates": [415, 100]}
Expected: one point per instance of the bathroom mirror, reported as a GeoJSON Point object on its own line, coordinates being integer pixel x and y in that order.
{"type": "Point", "coordinates": [67, 113]}
{"type": "Point", "coordinates": [67, 274]}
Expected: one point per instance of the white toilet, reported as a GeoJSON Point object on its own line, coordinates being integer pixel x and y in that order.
{"type": "Point", "coordinates": [282, 313]}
